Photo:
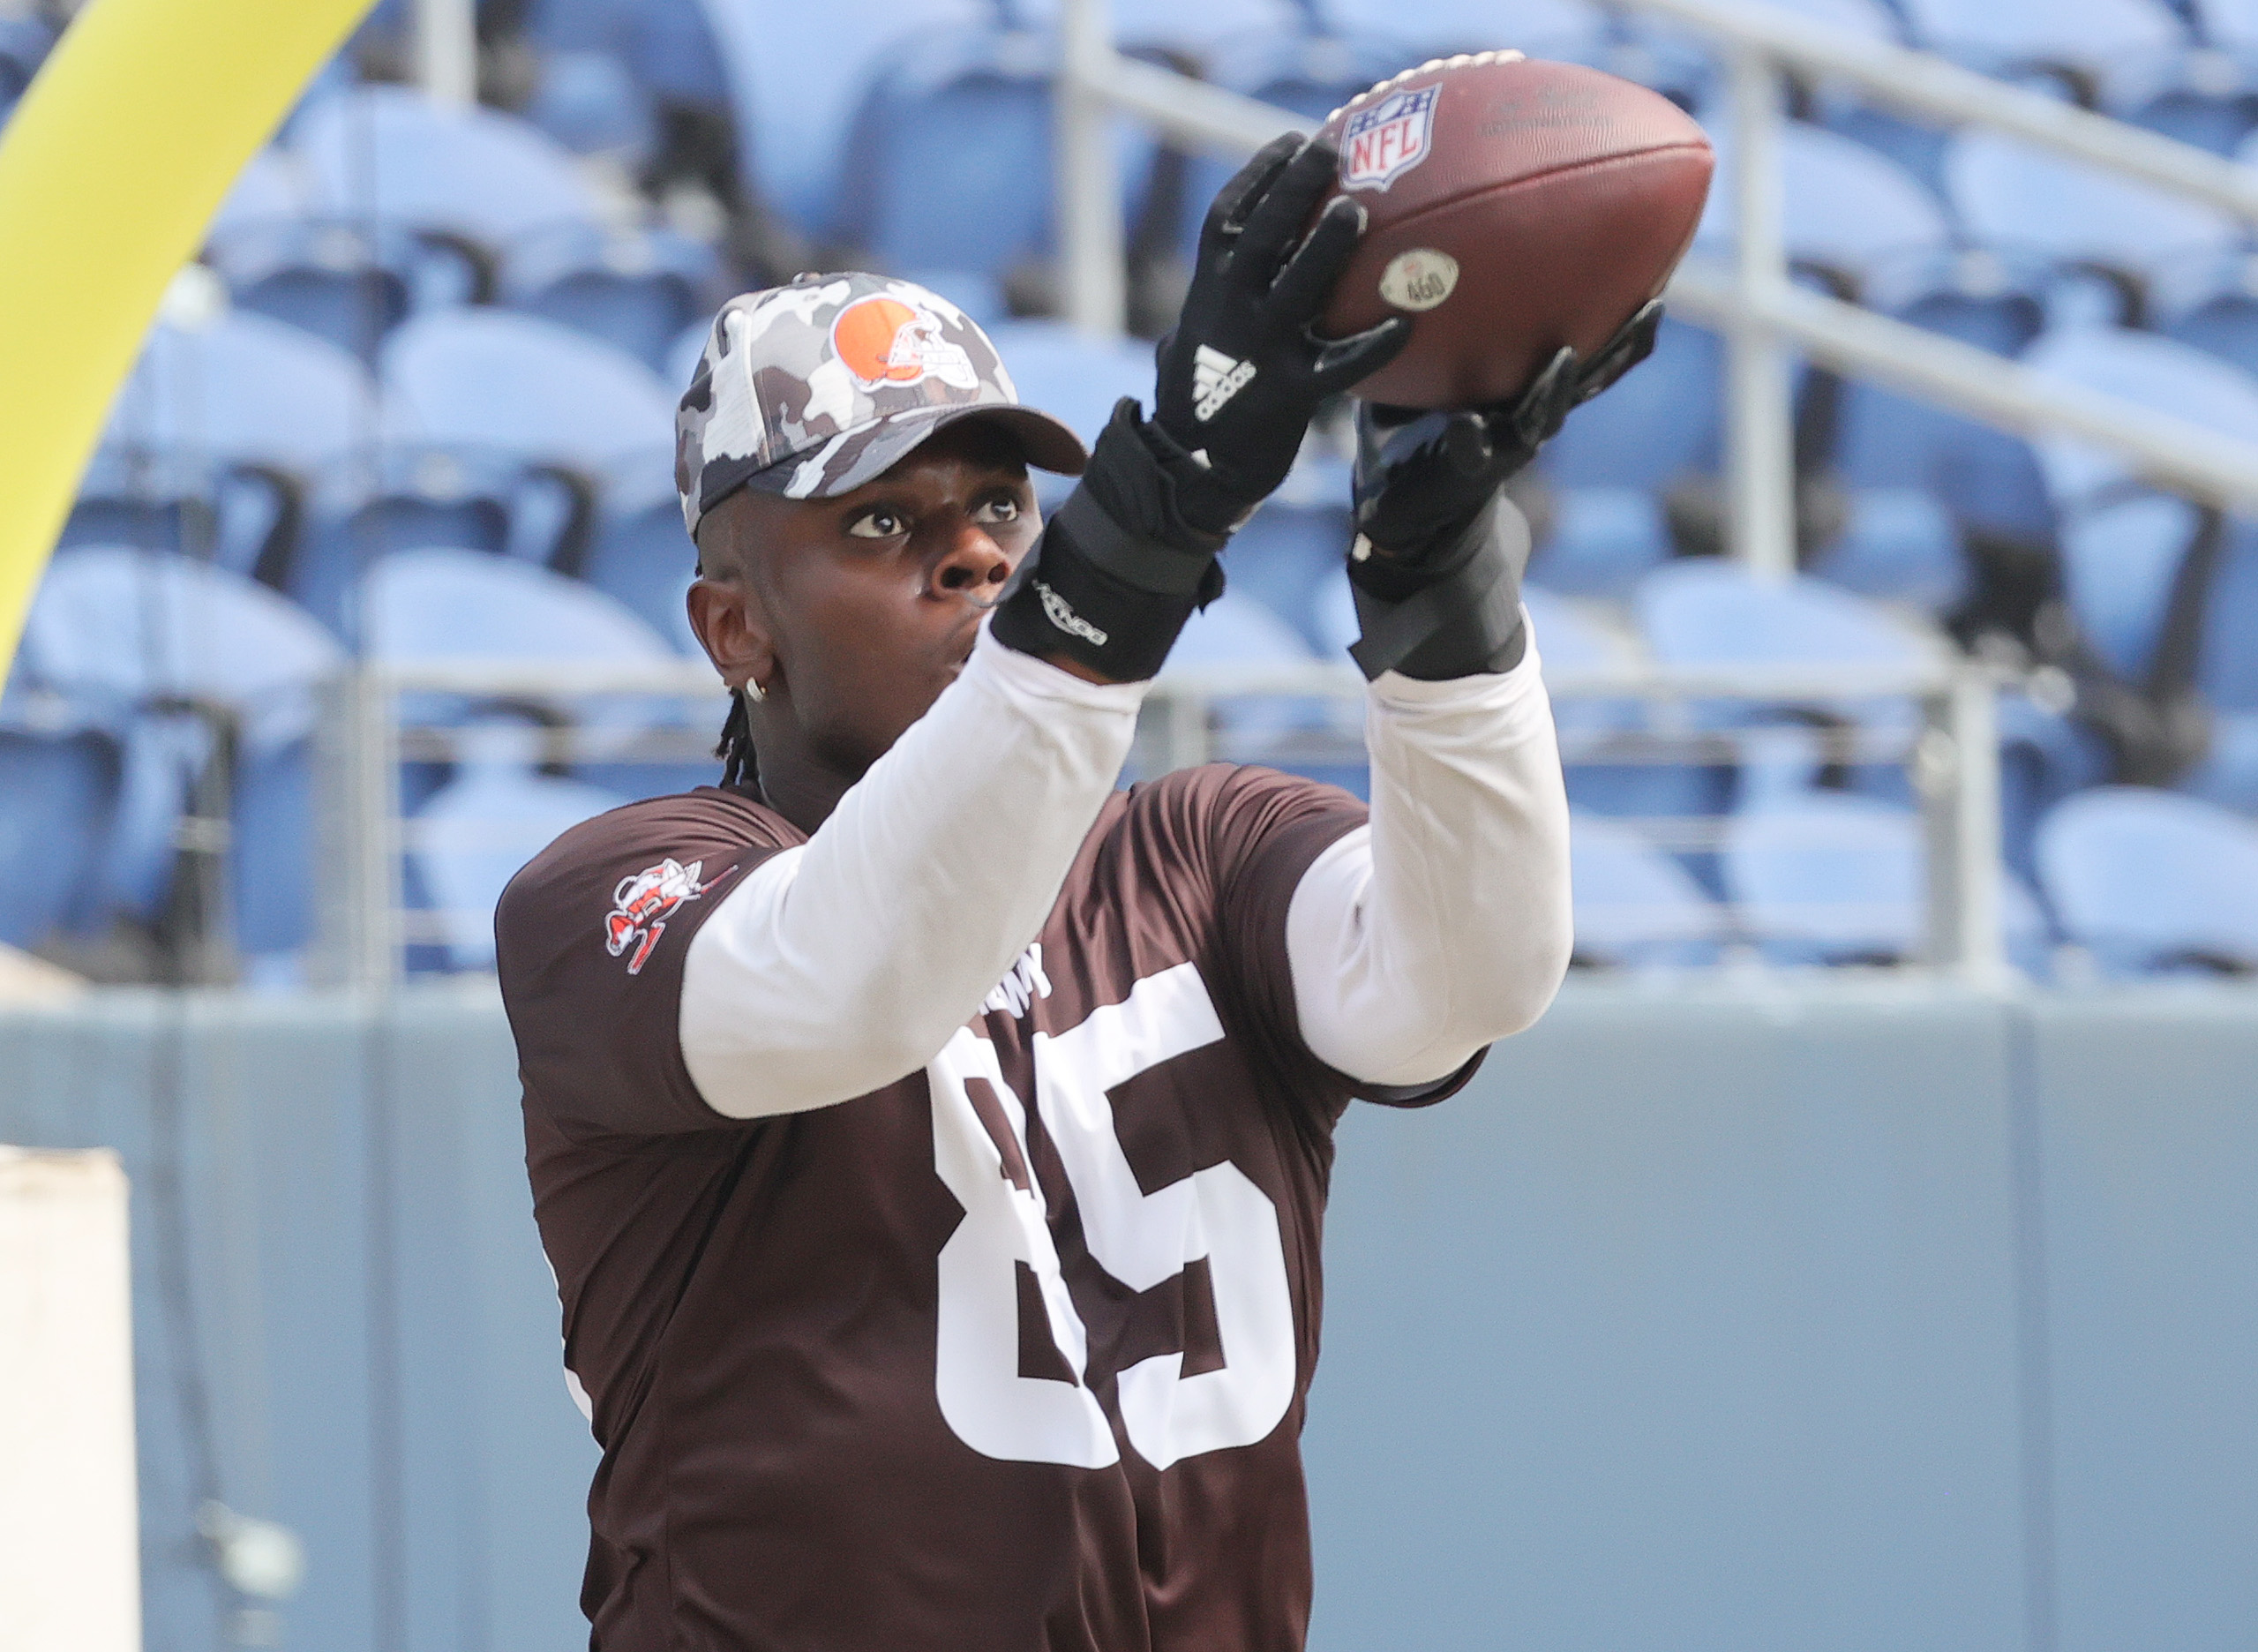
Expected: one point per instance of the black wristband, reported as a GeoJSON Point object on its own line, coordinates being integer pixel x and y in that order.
{"type": "Point", "coordinates": [1463, 617]}
{"type": "Point", "coordinates": [1060, 601]}
{"type": "Point", "coordinates": [1119, 569]}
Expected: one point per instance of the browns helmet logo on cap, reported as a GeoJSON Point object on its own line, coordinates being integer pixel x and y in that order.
{"type": "Point", "coordinates": [811, 389]}
{"type": "Point", "coordinates": [883, 340]}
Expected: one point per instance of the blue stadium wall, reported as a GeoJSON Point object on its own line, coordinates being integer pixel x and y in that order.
{"type": "Point", "coordinates": [1856, 1317]}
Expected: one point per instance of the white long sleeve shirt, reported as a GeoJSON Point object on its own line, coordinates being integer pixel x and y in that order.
{"type": "Point", "coordinates": [838, 966]}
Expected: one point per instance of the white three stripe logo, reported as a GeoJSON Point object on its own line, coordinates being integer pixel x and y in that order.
{"type": "Point", "coordinates": [1216, 378]}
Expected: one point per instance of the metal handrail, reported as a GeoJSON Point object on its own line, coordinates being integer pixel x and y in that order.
{"type": "Point", "coordinates": [365, 926]}
{"type": "Point", "coordinates": [2169, 451]}
{"type": "Point", "coordinates": [1921, 83]}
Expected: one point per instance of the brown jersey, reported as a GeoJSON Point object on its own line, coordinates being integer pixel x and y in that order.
{"type": "Point", "coordinates": [1010, 1354]}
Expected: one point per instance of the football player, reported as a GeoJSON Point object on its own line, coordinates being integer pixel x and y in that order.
{"type": "Point", "coordinates": [932, 1140]}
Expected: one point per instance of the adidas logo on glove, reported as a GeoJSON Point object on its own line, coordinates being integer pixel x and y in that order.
{"type": "Point", "coordinates": [1216, 378]}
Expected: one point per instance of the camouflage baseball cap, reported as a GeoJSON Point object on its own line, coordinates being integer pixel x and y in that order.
{"type": "Point", "coordinates": [812, 389]}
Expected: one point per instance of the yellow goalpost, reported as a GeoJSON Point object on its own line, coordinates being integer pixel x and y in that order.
{"type": "Point", "coordinates": [110, 170]}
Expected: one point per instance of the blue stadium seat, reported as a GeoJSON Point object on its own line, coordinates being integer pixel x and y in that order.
{"type": "Point", "coordinates": [489, 378]}
{"type": "Point", "coordinates": [1844, 205]}
{"type": "Point", "coordinates": [2005, 34]}
{"type": "Point", "coordinates": [130, 637]}
{"type": "Point", "coordinates": [1714, 614]}
{"type": "Point", "coordinates": [2232, 24]}
{"type": "Point", "coordinates": [641, 556]}
{"type": "Point", "coordinates": [244, 388]}
{"type": "Point", "coordinates": [2153, 882]}
{"type": "Point", "coordinates": [1235, 630]}
{"type": "Point", "coordinates": [2213, 302]}
{"type": "Point", "coordinates": [57, 793]}
{"type": "Point", "coordinates": [407, 495]}
{"type": "Point", "coordinates": [2023, 200]}
{"type": "Point", "coordinates": [667, 46]}
{"type": "Point", "coordinates": [1892, 450]}
{"type": "Point", "coordinates": [243, 516]}
{"type": "Point", "coordinates": [1436, 28]}
{"type": "Point", "coordinates": [2122, 544]}
{"type": "Point", "coordinates": [347, 283]}
{"type": "Point", "coordinates": [448, 605]}
{"type": "Point", "coordinates": [634, 290]}
{"type": "Point", "coordinates": [1870, 19]}
{"type": "Point", "coordinates": [950, 153]}
{"type": "Point", "coordinates": [2118, 561]}
{"type": "Point", "coordinates": [470, 836]}
{"type": "Point", "coordinates": [1635, 905]}
{"type": "Point", "coordinates": [2228, 676]}
{"type": "Point", "coordinates": [1074, 377]}
{"type": "Point", "coordinates": [798, 76]}
{"type": "Point", "coordinates": [1195, 27]}
{"type": "Point", "coordinates": [2203, 95]}
{"type": "Point", "coordinates": [1616, 456]}
{"type": "Point", "coordinates": [1288, 558]}
{"type": "Point", "coordinates": [1901, 544]}
{"type": "Point", "coordinates": [389, 153]}
{"type": "Point", "coordinates": [2044, 757]}
{"type": "Point", "coordinates": [1828, 878]}
{"type": "Point", "coordinates": [589, 101]}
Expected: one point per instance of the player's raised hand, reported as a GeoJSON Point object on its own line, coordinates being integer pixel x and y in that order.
{"type": "Point", "coordinates": [1437, 564]}
{"type": "Point", "coordinates": [1422, 479]}
{"type": "Point", "coordinates": [1242, 371]}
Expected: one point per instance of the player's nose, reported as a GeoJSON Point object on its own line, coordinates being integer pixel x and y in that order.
{"type": "Point", "coordinates": [970, 563]}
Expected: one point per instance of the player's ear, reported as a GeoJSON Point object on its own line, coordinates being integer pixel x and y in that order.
{"type": "Point", "coordinates": [732, 624]}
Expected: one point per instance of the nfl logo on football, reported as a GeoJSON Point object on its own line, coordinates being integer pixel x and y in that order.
{"type": "Point", "coordinates": [1381, 143]}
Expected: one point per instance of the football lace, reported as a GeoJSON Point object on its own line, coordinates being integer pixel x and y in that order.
{"type": "Point", "coordinates": [1464, 60]}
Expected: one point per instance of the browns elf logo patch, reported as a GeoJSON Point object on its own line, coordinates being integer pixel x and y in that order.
{"type": "Point", "coordinates": [642, 904]}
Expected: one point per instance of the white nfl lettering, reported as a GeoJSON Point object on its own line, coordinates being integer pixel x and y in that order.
{"type": "Point", "coordinates": [1216, 378]}
{"type": "Point", "coordinates": [1381, 143]}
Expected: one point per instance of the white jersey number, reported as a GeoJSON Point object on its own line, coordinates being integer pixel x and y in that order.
{"type": "Point", "coordinates": [1142, 1240]}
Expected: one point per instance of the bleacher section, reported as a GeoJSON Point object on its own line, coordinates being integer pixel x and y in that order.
{"type": "Point", "coordinates": [416, 402]}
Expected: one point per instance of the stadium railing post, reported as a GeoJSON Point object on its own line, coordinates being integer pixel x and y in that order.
{"type": "Point", "coordinates": [1761, 431]}
{"type": "Point", "coordinates": [358, 816]}
{"type": "Point", "coordinates": [1957, 776]}
{"type": "Point", "coordinates": [1086, 186]}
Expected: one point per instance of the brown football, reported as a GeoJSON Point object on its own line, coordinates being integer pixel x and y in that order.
{"type": "Point", "coordinates": [1515, 207]}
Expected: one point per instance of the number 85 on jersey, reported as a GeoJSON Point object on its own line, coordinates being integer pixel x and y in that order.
{"type": "Point", "coordinates": [1218, 1215]}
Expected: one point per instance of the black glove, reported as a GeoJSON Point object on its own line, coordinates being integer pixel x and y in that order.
{"type": "Point", "coordinates": [1132, 552]}
{"type": "Point", "coordinates": [1242, 371]}
{"type": "Point", "coordinates": [1437, 560]}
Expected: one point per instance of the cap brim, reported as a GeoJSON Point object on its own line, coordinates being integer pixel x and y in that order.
{"type": "Point", "coordinates": [1047, 444]}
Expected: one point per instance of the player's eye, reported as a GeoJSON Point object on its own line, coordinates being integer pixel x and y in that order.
{"type": "Point", "coordinates": [996, 509]}
{"type": "Point", "coordinates": [880, 521]}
